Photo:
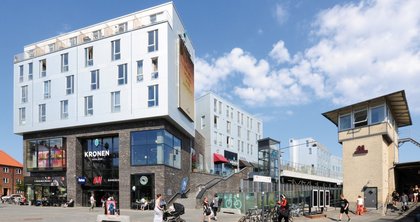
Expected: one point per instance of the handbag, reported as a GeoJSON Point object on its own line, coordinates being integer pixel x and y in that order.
{"type": "Point", "coordinates": [207, 211]}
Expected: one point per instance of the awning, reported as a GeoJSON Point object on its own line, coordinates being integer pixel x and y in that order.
{"type": "Point", "coordinates": [217, 158]}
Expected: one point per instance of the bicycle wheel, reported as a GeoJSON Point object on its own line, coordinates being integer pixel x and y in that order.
{"type": "Point", "coordinates": [237, 204]}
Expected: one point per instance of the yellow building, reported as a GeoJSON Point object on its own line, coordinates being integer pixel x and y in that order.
{"type": "Point", "coordinates": [368, 132]}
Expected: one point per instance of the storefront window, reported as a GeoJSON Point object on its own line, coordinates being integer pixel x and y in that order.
{"type": "Point", "coordinates": [46, 154]}
{"type": "Point", "coordinates": [155, 147]}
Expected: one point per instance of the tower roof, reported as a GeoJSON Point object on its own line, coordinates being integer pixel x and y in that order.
{"type": "Point", "coordinates": [396, 102]}
{"type": "Point", "coordinates": [6, 160]}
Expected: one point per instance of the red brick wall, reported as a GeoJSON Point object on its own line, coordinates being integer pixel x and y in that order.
{"type": "Point", "coordinates": [12, 176]}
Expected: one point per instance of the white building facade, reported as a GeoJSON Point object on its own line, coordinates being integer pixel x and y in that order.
{"type": "Point", "coordinates": [230, 133]}
{"type": "Point", "coordinates": [315, 158]}
{"type": "Point", "coordinates": [108, 89]}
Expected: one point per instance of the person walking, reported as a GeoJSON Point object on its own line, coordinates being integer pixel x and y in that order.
{"type": "Point", "coordinates": [92, 202]}
{"type": "Point", "coordinates": [158, 210]}
{"type": "Point", "coordinates": [416, 194]}
{"type": "Point", "coordinates": [206, 210]}
{"type": "Point", "coordinates": [404, 202]}
{"type": "Point", "coordinates": [344, 207]}
{"type": "Point", "coordinates": [283, 209]}
{"type": "Point", "coordinates": [359, 205]}
{"type": "Point", "coordinates": [215, 206]}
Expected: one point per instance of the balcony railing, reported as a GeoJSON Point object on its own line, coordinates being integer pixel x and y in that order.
{"type": "Point", "coordinates": [309, 169]}
{"type": "Point", "coordinates": [106, 30]}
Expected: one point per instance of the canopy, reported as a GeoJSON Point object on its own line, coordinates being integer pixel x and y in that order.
{"type": "Point", "coordinates": [217, 158]}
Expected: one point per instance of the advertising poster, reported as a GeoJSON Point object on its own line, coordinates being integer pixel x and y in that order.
{"type": "Point", "coordinates": [186, 81]}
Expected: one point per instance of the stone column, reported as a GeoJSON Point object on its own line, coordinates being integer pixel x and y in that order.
{"type": "Point", "coordinates": [124, 170]}
{"type": "Point", "coordinates": [74, 169]}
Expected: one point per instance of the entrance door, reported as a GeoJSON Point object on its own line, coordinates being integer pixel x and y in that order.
{"type": "Point", "coordinates": [6, 191]}
{"type": "Point", "coordinates": [371, 197]}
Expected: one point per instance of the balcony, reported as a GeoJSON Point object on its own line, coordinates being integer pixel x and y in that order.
{"type": "Point", "coordinates": [100, 31]}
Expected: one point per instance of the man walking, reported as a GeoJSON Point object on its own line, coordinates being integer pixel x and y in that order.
{"type": "Point", "coordinates": [344, 207]}
{"type": "Point", "coordinates": [215, 206]}
{"type": "Point", "coordinates": [92, 202]}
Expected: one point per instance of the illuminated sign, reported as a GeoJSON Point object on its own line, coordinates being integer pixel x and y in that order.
{"type": "Point", "coordinates": [102, 153]}
{"type": "Point", "coordinates": [81, 180]}
{"type": "Point", "coordinates": [97, 180]}
{"type": "Point", "coordinates": [361, 150]}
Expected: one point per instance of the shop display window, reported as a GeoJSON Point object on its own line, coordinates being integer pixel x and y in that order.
{"type": "Point", "coordinates": [46, 154]}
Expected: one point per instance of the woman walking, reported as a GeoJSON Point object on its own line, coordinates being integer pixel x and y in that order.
{"type": "Point", "coordinates": [92, 202]}
{"type": "Point", "coordinates": [206, 210]}
{"type": "Point", "coordinates": [158, 210]}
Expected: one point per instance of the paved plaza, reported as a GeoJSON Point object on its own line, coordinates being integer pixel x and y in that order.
{"type": "Point", "coordinates": [15, 213]}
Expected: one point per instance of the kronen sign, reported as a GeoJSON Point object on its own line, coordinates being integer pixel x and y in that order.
{"type": "Point", "coordinates": [94, 154]}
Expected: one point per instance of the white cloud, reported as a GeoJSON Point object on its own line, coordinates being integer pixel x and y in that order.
{"type": "Point", "coordinates": [281, 14]}
{"type": "Point", "coordinates": [361, 51]}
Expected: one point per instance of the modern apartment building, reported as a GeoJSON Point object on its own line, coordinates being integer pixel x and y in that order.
{"type": "Point", "coordinates": [107, 109]}
{"type": "Point", "coordinates": [11, 175]}
{"type": "Point", "coordinates": [230, 133]}
{"type": "Point", "coordinates": [307, 152]}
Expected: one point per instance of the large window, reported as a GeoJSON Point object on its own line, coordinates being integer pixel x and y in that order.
{"type": "Point", "coordinates": [122, 74]}
{"type": "Point", "coordinates": [22, 116]}
{"type": "Point", "coordinates": [30, 70]}
{"type": "Point", "coordinates": [42, 68]}
{"type": "Point", "coordinates": [89, 56]}
{"type": "Point", "coordinates": [153, 99]}
{"type": "Point", "coordinates": [154, 147]}
{"type": "Point", "coordinates": [24, 96]}
{"type": "Point", "coordinates": [88, 105]}
{"type": "Point", "coordinates": [42, 111]}
{"type": "Point", "coordinates": [69, 85]}
{"type": "Point", "coordinates": [21, 73]}
{"type": "Point", "coordinates": [46, 154]}
{"type": "Point", "coordinates": [64, 109]}
{"type": "Point", "coordinates": [115, 102]}
{"type": "Point", "coordinates": [155, 68]}
{"type": "Point", "coordinates": [47, 89]}
{"type": "Point", "coordinates": [345, 122]}
{"type": "Point", "coordinates": [116, 50]}
{"type": "Point", "coordinates": [64, 62]}
{"type": "Point", "coordinates": [94, 79]}
{"type": "Point", "coordinates": [377, 114]}
{"type": "Point", "coordinates": [153, 41]}
{"type": "Point", "coordinates": [139, 70]}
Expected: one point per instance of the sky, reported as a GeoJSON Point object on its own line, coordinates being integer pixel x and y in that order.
{"type": "Point", "coordinates": [286, 62]}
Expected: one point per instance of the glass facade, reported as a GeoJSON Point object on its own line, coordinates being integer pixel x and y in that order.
{"type": "Point", "coordinates": [155, 147]}
{"type": "Point", "coordinates": [46, 154]}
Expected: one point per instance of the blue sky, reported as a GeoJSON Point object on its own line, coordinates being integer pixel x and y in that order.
{"type": "Point", "coordinates": [285, 61]}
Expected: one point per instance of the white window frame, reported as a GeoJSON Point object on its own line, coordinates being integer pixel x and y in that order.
{"type": "Point", "coordinates": [116, 50]}
{"type": "Point", "coordinates": [122, 74]}
{"type": "Point", "coordinates": [89, 56]}
{"type": "Point", "coordinates": [42, 68]}
{"type": "Point", "coordinates": [94, 79]}
{"type": "Point", "coordinates": [18, 171]}
{"type": "Point", "coordinates": [88, 105]}
{"type": "Point", "coordinates": [122, 27]}
{"type": "Point", "coordinates": [21, 73]}
{"type": "Point", "coordinates": [139, 70]}
{"type": "Point", "coordinates": [64, 109]}
{"type": "Point", "coordinates": [361, 121]}
{"type": "Point", "coordinates": [153, 18]}
{"type": "Point", "coordinates": [30, 70]}
{"type": "Point", "coordinates": [47, 89]}
{"type": "Point", "coordinates": [5, 180]}
{"type": "Point", "coordinates": [42, 110]}
{"type": "Point", "coordinates": [22, 116]}
{"type": "Point", "coordinates": [97, 34]}
{"type": "Point", "coordinates": [51, 47]}
{"type": "Point", "coordinates": [203, 121]}
{"type": "Point", "coordinates": [115, 101]}
{"type": "Point", "coordinates": [73, 41]}
{"type": "Point", "coordinates": [5, 169]}
{"type": "Point", "coordinates": [155, 68]}
{"type": "Point", "coordinates": [153, 96]}
{"type": "Point", "coordinates": [65, 62]}
{"type": "Point", "coordinates": [153, 44]}
{"type": "Point", "coordinates": [69, 85]}
{"type": "Point", "coordinates": [24, 94]}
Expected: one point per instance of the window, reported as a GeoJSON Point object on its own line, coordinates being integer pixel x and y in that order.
{"type": "Point", "coordinates": [5, 180]}
{"type": "Point", "coordinates": [47, 89]}
{"type": "Point", "coordinates": [31, 69]}
{"type": "Point", "coordinates": [228, 127]}
{"type": "Point", "coordinates": [122, 27]}
{"type": "Point", "coordinates": [238, 117]}
{"type": "Point", "coordinates": [22, 116]}
{"type": "Point", "coordinates": [42, 113]}
{"type": "Point", "coordinates": [43, 154]}
{"type": "Point", "coordinates": [64, 62]}
{"type": "Point", "coordinates": [64, 109]}
{"type": "Point", "coordinates": [377, 114]}
{"type": "Point", "coordinates": [215, 137]}
{"type": "Point", "coordinates": [239, 131]}
{"type": "Point", "coordinates": [18, 181]}
{"type": "Point", "coordinates": [139, 70]}
{"type": "Point", "coordinates": [215, 105]}
{"type": "Point", "coordinates": [154, 147]}
{"type": "Point", "coordinates": [220, 107]}
{"type": "Point", "coordinates": [21, 73]}
{"type": "Point", "coordinates": [153, 96]}
{"type": "Point", "coordinates": [69, 85]}
{"type": "Point", "coordinates": [115, 102]}
{"type": "Point", "coordinates": [153, 18]}
{"type": "Point", "coordinates": [42, 68]}
{"type": "Point", "coordinates": [216, 120]}
{"type": "Point", "coordinates": [153, 41]}
{"type": "Point", "coordinates": [227, 111]}
{"type": "Point", "coordinates": [248, 135]}
{"type": "Point", "coordinates": [88, 105]}
{"type": "Point", "coordinates": [73, 41]}
{"type": "Point", "coordinates": [97, 34]}
{"type": "Point", "coordinates": [155, 68]}
{"type": "Point", "coordinates": [345, 122]}
{"type": "Point", "coordinates": [203, 121]}
{"type": "Point", "coordinates": [89, 56]}
{"type": "Point", "coordinates": [258, 127]}
{"type": "Point", "coordinates": [18, 171]}
{"type": "Point", "coordinates": [360, 118]}
{"type": "Point", "coordinates": [51, 47]}
{"type": "Point", "coordinates": [116, 50]}
{"type": "Point", "coordinates": [24, 95]}
{"type": "Point", "coordinates": [220, 139]}
{"type": "Point", "coordinates": [5, 169]}
{"type": "Point", "coordinates": [122, 74]}
{"type": "Point", "coordinates": [94, 79]}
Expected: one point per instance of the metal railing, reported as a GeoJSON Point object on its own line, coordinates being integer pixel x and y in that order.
{"type": "Point", "coordinates": [309, 169]}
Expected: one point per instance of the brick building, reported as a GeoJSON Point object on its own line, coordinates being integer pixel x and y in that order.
{"type": "Point", "coordinates": [10, 174]}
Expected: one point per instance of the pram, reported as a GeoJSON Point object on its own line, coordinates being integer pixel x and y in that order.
{"type": "Point", "coordinates": [174, 215]}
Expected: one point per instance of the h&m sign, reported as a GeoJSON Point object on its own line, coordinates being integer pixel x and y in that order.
{"type": "Point", "coordinates": [360, 150]}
